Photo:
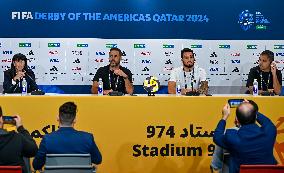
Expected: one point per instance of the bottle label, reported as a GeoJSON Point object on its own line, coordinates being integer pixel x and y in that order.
{"type": "Point", "coordinates": [100, 89]}
{"type": "Point", "coordinates": [255, 89]}
{"type": "Point", "coordinates": [24, 87]}
{"type": "Point", "coordinates": [178, 90]}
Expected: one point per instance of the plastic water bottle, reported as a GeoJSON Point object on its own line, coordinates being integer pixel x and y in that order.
{"type": "Point", "coordinates": [255, 87]}
{"type": "Point", "coordinates": [178, 88]}
{"type": "Point", "coordinates": [24, 87]}
{"type": "Point", "coordinates": [100, 88]}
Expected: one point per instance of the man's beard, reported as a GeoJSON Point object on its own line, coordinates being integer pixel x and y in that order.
{"type": "Point", "coordinates": [113, 64]}
{"type": "Point", "coordinates": [188, 66]}
{"type": "Point", "coordinates": [262, 68]}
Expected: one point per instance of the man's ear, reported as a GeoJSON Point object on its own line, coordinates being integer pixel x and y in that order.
{"type": "Point", "coordinates": [237, 123]}
{"type": "Point", "coordinates": [57, 118]}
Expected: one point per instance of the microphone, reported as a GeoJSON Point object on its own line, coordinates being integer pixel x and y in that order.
{"type": "Point", "coordinates": [26, 74]}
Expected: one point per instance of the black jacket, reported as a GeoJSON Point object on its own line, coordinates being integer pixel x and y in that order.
{"type": "Point", "coordinates": [10, 88]}
{"type": "Point", "coordinates": [14, 146]}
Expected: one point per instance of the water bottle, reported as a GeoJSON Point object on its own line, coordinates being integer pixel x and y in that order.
{"type": "Point", "coordinates": [100, 88]}
{"type": "Point", "coordinates": [24, 87]}
{"type": "Point", "coordinates": [255, 87]}
{"type": "Point", "coordinates": [178, 88]}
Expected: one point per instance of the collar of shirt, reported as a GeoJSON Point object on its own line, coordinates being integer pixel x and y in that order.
{"type": "Point", "coordinates": [66, 129]}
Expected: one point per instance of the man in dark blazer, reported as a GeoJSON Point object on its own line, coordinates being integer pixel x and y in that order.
{"type": "Point", "coordinates": [14, 76]}
{"type": "Point", "coordinates": [14, 146]}
{"type": "Point", "coordinates": [67, 140]}
{"type": "Point", "coordinates": [251, 144]}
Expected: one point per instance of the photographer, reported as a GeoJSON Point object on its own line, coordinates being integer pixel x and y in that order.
{"type": "Point", "coordinates": [251, 144]}
{"type": "Point", "coordinates": [14, 146]}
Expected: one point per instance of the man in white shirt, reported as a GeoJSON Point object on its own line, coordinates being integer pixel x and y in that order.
{"type": "Point", "coordinates": [190, 76]}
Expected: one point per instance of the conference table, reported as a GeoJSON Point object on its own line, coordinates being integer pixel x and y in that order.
{"type": "Point", "coordinates": [149, 134]}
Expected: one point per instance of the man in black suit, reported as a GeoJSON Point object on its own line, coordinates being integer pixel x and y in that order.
{"type": "Point", "coordinates": [14, 76]}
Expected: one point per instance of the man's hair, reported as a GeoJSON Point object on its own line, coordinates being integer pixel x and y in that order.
{"type": "Point", "coordinates": [186, 50]}
{"type": "Point", "coordinates": [1, 113]}
{"type": "Point", "coordinates": [247, 117]}
{"type": "Point", "coordinates": [67, 113]}
{"type": "Point", "coordinates": [19, 57]}
{"type": "Point", "coordinates": [269, 54]}
{"type": "Point", "coordinates": [116, 49]}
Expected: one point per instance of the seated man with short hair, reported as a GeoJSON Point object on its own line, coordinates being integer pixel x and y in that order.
{"type": "Point", "coordinates": [190, 76]}
{"type": "Point", "coordinates": [67, 140]}
{"type": "Point", "coordinates": [269, 78]}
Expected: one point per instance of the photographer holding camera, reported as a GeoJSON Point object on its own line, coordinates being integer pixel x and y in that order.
{"type": "Point", "coordinates": [14, 146]}
{"type": "Point", "coordinates": [250, 144]}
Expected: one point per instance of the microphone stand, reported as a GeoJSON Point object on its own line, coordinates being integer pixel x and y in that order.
{"type": "Point", "coordinates": [192, 92]}
{"type": "Point", "coordinates": [31, 80]}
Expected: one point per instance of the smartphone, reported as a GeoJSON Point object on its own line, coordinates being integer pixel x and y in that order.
{"type": "Point", "coordinates": [9, 120]}
{"type": "Point", "coordinates": [235, 102]}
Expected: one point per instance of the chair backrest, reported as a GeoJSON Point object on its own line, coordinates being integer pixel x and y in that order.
{"type": "Point", "coordinates": [68, 169]}
{"type": "Point", "coordinates": [10, 169]}
{"type": "Point", "coordinates": [68, 163]}
{"type": "Point", "coordinates": [67, 159]}
{"type": "Point", "coordinates": [262, 168]}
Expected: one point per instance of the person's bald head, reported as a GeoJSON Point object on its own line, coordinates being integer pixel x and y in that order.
{"type": "Point", "coordinates": [246, 113]}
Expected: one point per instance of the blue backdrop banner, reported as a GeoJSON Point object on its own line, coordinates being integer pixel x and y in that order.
{"type": "Point", "coordinates": [143, 19]}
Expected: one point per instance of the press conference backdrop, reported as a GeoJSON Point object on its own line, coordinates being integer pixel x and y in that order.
{"type": "Point", "coordinates": [66, 41]}
{"type": "Point", "coordinates": [75, 61]}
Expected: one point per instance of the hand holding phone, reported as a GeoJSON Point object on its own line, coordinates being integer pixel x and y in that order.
{"type": "Point", "coordinates": [235, 102]}
{"type": "Point", "coordinates": [9, 120]}
{"type": "Point", "coordinates": [13, 120]}
{"type": "Point", "coordinates": [226, 112]}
